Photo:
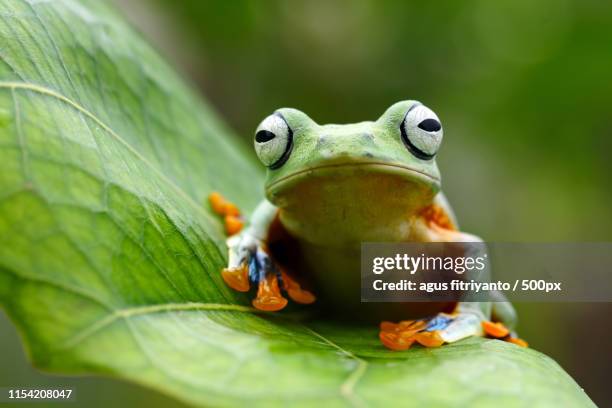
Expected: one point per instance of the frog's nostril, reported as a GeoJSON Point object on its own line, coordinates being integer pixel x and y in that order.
{"type": "Point", "coordinates": [430, 125]}
{"type": "Point", "coordinates": [367, 136]}
{"type": "Point", "coordinates": [322, 142]}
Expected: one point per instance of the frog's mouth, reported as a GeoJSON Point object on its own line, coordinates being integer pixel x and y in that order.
{"type": "Point", "coordinates": [355, 169]}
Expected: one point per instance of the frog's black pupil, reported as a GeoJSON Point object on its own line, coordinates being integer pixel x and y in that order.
{"type": "Point", "coordinates": [430, 125]}
{"type": "Point", "coordinates": [264, 136]}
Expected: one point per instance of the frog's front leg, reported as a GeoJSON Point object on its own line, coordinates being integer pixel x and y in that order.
{"type": "Point", "coordinates": [249, 260]}
{"type": "Point", "coordinates": [468, 319]}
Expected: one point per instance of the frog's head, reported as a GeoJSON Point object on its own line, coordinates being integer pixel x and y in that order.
{"type": "Point", "coordinates": [397, 149]}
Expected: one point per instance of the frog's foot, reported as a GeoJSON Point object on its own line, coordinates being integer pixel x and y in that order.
{"type": "Point", "coordinates": [250, 264]}
{"type": "Point", "coordinates": [497, 330]}
{"type": "Point", "coordinates": [400, 336]}
{"type": "Point", "coordinates": [431, 332]}
{"type": "Point", "coordinates": [230, 213]}
{"type": "Point", "coordinates": [442, 328]}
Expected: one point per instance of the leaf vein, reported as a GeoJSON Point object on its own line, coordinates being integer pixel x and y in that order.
{"type": "Point", "coordinates": [149, 309]}
{"type": "Point", "coordinates": [51, 93]}
{"type": "Point", "coordinates": [347, 388]}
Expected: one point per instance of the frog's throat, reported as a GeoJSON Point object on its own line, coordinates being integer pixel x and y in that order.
{"type": "Point", "coordinates": [410, 172]}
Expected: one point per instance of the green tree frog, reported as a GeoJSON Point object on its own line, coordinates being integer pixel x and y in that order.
{"type": "Point", "coordinates": [328, 189]}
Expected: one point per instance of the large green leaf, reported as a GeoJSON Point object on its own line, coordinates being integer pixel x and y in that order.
{"type": "Point", "coordinates": [109, 259]}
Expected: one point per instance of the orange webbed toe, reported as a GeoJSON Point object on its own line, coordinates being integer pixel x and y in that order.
{"type": "Point", "coordinates": [237, 278]}
{"type": "Point", "coordinates": [295, 291]}
{"type": "Point", "coordinates": [269, 297]}
{"type": "Point", "coordinates": [429, 339]}
{"type": "Point", "coordinates": [230, 213]}
{"type": "Point", "coordinates": [495, 329]}
{"type": "Point", "coordinates": [394, 341]}
{"type": "Point", "coordinates": [517, 341]}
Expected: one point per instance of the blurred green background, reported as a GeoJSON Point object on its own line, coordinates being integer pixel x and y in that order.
{"type": "Point", "coordinates": [523, 89]}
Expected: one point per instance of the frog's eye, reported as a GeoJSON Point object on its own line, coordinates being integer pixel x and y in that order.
{"type": "Point", "coordinates": [422, 132]}
{"type": "Point", "coordinates": [273, 141]}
